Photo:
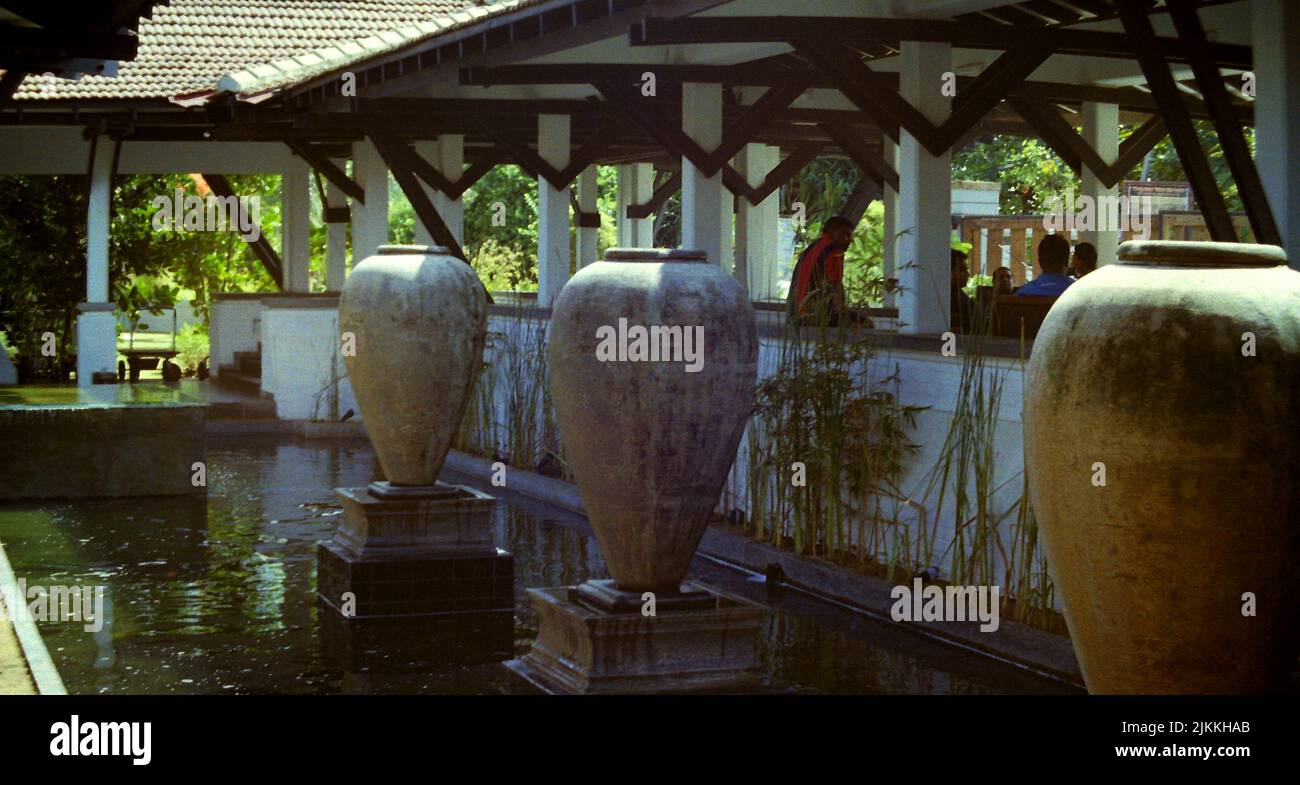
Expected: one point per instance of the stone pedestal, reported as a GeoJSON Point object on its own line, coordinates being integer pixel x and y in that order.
{"type": "Point", "coordinates": [594, 639]}
{"type": "Point", "coordinates": [421, 553]}
{"type": "Point", "coordinates": [396, 644]}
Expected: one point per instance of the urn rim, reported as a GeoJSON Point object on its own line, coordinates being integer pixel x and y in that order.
{"type": "Point", "coordinates": [400, 250]}
{"type": "Point", "coordinates": [1177, 253]}
{"type": "Point", "coordinates": [656, 255]}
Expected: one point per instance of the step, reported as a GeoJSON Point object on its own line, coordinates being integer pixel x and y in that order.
{"type": "Point", "coordinates": [249, 363]}
{"type": "Point", "coordinates": [261, 409]}
{"type": "Point", "coordinates": [231, 378]}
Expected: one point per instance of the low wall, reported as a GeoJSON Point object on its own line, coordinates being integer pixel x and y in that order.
{"type": "Point", "coordinates": [302, 360]}
{"type": "Point", "coordinates": [90, 451]}
{"type": "Point", "coordinates": [926, 378]}
{"type": "Point", "coordinates": [235, 326]}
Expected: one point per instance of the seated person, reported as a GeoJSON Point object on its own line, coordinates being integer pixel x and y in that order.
{"type": "Point", "coordinates": [817, 285]}
{"type": "Point", "coordinates": [960, 305]}
{"type": "Point", "coordinates": [1002, 283]}
{"type": "Point", "coordinates": [1053, 261]}
{"type": "Point", "coordinates": [1085, 259]}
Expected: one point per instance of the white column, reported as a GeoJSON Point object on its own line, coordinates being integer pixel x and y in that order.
{"type": "Point", "coordinates": [588, 237]}
{"type": "Point", "coordinates": [635, 186]}
{"type": "Point", "coordinates": [925, 195]}
{"type": "Point", "coordinates": [890, 240]}
{"type": "Point", "coordinates": [295, 225]}
{"type": "Point", "coordinates": [369, 220]}
{"type": "Point", "coordinates": [702, 196]}
{"type": "Point", "coordinates": [428, 150]}
{"type": "Point", "coordinates": [451, 163]}
{"type": "Point", "coordinates": [757, 226]}
{"type": "Point", "coordinates": [622, 198]}
{"type": "Point", "coordinates": [1276, 33]}
{"type": "Point", "coordinates": [727, 231]}
{"type": "Point", "coordinates": [336, 238]}
{"type": "Point", "coordinates": [552, 210]}
{"type": "Point", "coordinates": [643, 185]}
{"type": "Point", "coordinates": [96, 322]}
{"type": "Point", "coordinates": [1101, 130]}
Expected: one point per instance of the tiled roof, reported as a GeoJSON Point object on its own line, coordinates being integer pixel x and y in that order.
{"type": "Point", "coordinates": [189, 45]}
{"type": "Point", "coordinates": [302, 67]}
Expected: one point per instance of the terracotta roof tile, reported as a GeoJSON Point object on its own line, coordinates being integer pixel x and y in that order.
{"type": "Point", "coordinates": [189, 45]}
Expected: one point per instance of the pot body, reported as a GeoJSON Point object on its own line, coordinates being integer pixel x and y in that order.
{"type": "Point", "coordinates": [651, 441]}
{"type": "Point", "coordinates": [419, 317]}
{"type": "Point", "coordinates": [1163, 449]}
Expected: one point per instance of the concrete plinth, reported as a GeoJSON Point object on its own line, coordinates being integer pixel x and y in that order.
{"type": "Point", "coordinates": [425, 553]}
{"type": "Point", "coordinates": [685, 647]}
{"type": "Point", "coordinates": [403, 643]}
{"type": "Point", "coordinates": [441, 519]}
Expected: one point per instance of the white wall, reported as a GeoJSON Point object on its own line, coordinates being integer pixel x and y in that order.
{"type": "Point", "coordinates": [925, 379]}
{"type": "Point", "coordinates": [235, 326]}
{"type": "Point", "coordinates": [302, 363]}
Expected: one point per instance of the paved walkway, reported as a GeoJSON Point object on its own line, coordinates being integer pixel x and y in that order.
{"type": "Point", "coordinates": [14, 678]}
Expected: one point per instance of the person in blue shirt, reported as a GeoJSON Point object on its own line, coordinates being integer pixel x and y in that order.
{"type": "Point", "coordinates": [1053, 276]}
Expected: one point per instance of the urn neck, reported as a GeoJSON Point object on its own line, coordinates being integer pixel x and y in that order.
{"type": "Point", "coordinates": [655, 255]}
{"type": "Point", "coordinates": [403, 250]}
{"type": "Point", "coordinates": [1168, 253]}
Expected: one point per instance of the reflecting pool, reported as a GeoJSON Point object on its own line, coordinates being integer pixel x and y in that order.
{"type": "Point", "coordinates": [217, 594]}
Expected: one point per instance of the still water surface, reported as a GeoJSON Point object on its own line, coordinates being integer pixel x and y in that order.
{"type": "Point", "coordinates": [217, 594]}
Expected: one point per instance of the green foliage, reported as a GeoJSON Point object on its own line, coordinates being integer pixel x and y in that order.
{"type": "Point", "coordinates": [140, 295]}
{"type": "Point", "coordinates": [1030, 173]}
{"type": "Point", "coordinates": [42, 238]}
{"type": "Point", "coordinates": [831, 413]}
{"type": "Point", "coordinates": [192, 345]}
{"type": "Point", "coordinates": [504, 268]}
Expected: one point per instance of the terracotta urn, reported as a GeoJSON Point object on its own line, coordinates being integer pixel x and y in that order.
{"type": "Point", "coordinates": [418, 319]}
{"type": "Point", "coordinates": [653, 358]}
{"type": "Point", "coordinates": [1162, 448]}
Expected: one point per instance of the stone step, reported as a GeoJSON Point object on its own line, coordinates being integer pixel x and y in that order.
{"type": "Point", "coordinates": [231, 378]}
{"type": "Point", "coordinates": [261, 409]}
{"type": "Point", "coordinates": [249, 363]}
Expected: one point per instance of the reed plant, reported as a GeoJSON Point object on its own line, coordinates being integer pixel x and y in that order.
{"type": "Point", "coordinates": [827, 442]}
{"type": "Point", "coordinates": [511, 415]}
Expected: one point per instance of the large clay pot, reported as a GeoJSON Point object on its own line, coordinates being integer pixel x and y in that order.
{"type": "Point", "coordinates": [419, 316]}
{"type": "Point", "coordinates": [1141, 370]}
{"type": "Point", "coordinates": [650, 442]}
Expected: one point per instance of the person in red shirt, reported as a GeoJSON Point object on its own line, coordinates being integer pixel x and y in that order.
{"type": "Point", "coordinates": [817, 286]}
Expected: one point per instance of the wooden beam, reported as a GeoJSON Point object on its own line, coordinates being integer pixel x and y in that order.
{"type": "Point", "coordinates": [1135, 147]}
{"type": "Point", "coordinates": [755, 117]}
{"type": "Point", "coordinates": [400, 161]}
{"type": "Point", "coordinates": [260, 247]}
{"type": "Point", "coordinates": [1181, 131]}
{"type": "Point", "coordinates": [656, 31]}
{"type": "Point", "coordinates": [780, 174]}
{"type": "Point", "coordinates": [321, 163]}
{"type": "Point", "coordinates": [673, 139]}
{"type": "Point", "coordinates": [1059, 135]}
{"type": "Point", "coordinates": [872, 165]}
{"type": "Point", "coordinates": [869, 93]}
{"type": "Point", "coordinates": [996, 82]}
{"type": "Point", "coordinates": [661, 194]}
{"type": "Point", "coordinates": [1231, 139]}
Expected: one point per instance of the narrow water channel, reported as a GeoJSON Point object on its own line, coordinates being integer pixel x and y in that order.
{"type": "Point", "coordinates": [217, 595]}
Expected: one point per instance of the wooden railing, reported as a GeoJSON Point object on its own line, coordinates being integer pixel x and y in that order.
{"type": "Point", "coordinates": [1014, 238]}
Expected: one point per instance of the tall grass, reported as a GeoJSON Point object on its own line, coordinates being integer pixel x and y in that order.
{"type": "Point", "coordinates": [826, 444]}
{"type": "Point", "coordinates": [511, 415]}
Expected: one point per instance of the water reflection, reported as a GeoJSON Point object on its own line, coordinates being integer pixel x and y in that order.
{"type": "Point", "coordinates": [218, 595]}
